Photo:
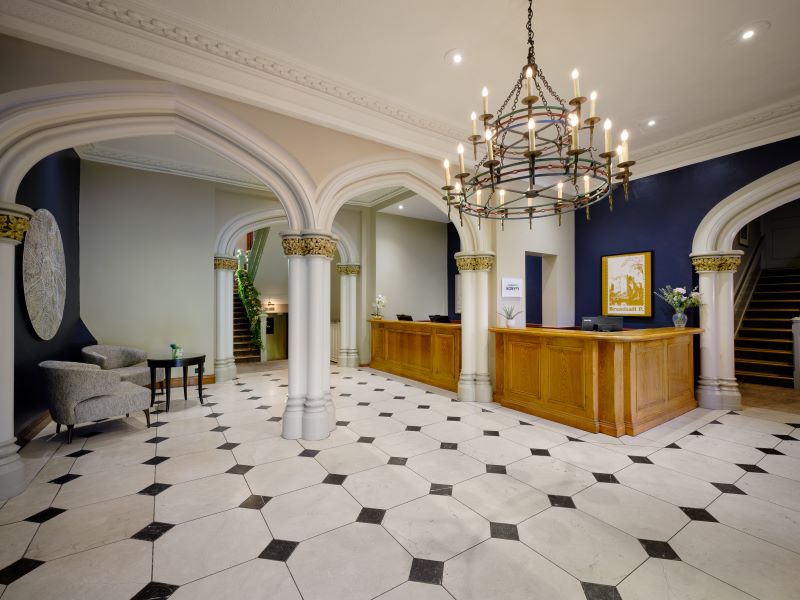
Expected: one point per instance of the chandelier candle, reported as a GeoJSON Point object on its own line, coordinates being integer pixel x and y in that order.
{"type": "Point", "coordinates": [489, 143]}
{"type": "Point", "coordinates": [529, 81]}
{"type": "Point", "coordinates": [607, 129]}
{"type": "Point", "coordinates": [447, 172]}
{"type": "Point", "coordinates": [531, 134]}
{"type": "Point", "coordinates": [592, 104]}
{"type": "Point", "coordinates": [624, 137]}
{"type": "Point", "coordinates": [576, 87]}
{"type": "Point", "coordinates": [573, 123]}
{"type": "Point", "coordinates": [462, 170]}
{"type": "Point", "coordinates": [474, 118]}
{"type": "Point", "coordinates": [485, 94]}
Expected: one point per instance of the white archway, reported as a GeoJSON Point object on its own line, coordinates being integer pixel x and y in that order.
{"type": "Point", "coordinates": [716, 261]}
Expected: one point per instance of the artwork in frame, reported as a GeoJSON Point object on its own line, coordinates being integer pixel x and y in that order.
{"type": "Point", "coordinates": [743, 239]}
{"type": "Point", "coordinates": [627, 285]}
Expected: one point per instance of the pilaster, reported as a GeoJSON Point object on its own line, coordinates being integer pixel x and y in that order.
{"type": "Point", "coordinates": [348, 347]}
{"type": "Point", "coordinates": [224, 362]}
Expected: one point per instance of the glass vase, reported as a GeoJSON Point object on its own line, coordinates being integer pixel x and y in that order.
{"type": "Point", "coordinates": [679, 319]}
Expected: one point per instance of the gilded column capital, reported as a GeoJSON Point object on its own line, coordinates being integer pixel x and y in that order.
{"type": "Point", "coordinates": [293, 246]}
{"type": "Point", "coordinates": [14, 221]}
{"type": "Point", "coordinates": [348, 269]}
{"type": "Point", "coordinates": [319, 245]}
{"type": "Point", "coordinates": [474, 262]}
{"type": "Point", "coordinates": [225, 263]}
{"type": "Point", "coordinates": [717, 262]}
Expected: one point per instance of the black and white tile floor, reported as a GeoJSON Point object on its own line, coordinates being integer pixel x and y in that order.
{"type": "Point", "coordinates": [414, 496]}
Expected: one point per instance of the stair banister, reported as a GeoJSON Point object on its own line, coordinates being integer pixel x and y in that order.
{"type": "Point", "coordinates": [746, 284]}
{"type": "Point", "coordinates": [796, 346]}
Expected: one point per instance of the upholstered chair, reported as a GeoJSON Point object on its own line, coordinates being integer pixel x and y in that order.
{"type": "Point", "coordinates": [79, 393]}
{"type": "Point", "coordinates": [128, 363]}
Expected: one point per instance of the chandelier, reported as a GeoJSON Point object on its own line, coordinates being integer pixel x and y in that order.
{"type": "Point", "coordinates": [542, 153]}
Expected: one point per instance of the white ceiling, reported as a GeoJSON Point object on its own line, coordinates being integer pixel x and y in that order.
{"type": "Point", "coordinates": [416, 207]}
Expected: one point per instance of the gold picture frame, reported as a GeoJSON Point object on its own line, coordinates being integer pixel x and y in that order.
{"type": "Point", "coordinates": [627, 284]}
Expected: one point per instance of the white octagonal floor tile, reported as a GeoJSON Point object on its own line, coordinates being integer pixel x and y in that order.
{"type": "Point", "coordinates": [666, 484]}
{"type": "Point", "coordinates": [500, 498]}
{"type": "Point", "coordinates": [490, 421]}
{"type": "Point", "coordinates": [34, 499]}
{"type": "Point", "coordinates": [200, 497]}
{"type": "Point", "coordinates": [412, 590]}
{"type": "Point", "coordinates": [287, 475]}
{"type": "Point", "coordinates": [659, 579]}
{"type": "Point", "coordinates": [550, 475]}
{"type": "Point", "coordinates": [352, 458]}
{"type": "Point", "coordinates": [191, 442]}
{"type": "Point", "coordinates": [759, 518]}
{"type": "Point", "coordinates": [590, 457]}
{"type": "Point", "coordinates": [254, 580]}
{"type": "Point", "coordinates": [258, 452]}
{"type": "Point", "coordinates": [721, 449]}
{"type": "Point", "coordinates": [14, 540]}
{"type": "Point", "coordinates": [697, 465]}
{"type": "Point", "coordinates": [376, 426]}
{"type": "Point", "coordinates": [308, 512]}
{"type": "Point", "coordinates": [386, 486]}
{"type": "Point", "coordinates": [454, 432]}
{"type": "Point", "coordinates": [533, 436]}
{"type": "Point", "coordinates": [446, 466]}
{"type": "Point", "coordinates": [785, 466]}
{"type": "Point", "coordinates": [194, 466]}
{"type": "Point", "coordinates": [406, 444]}
{"type": "Point", "coordinates": [494, 450]}
{"type": "Point", "coordinates": [113, 457]}
{"type": "Point", "coordinates": [105, 485]}
{"type": "Point", "coordinates": [419, 417]}
{"type": "Point", "coordinates": [338, 437]}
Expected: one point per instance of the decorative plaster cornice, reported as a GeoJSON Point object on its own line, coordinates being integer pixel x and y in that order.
{"type": "Point", "coordinates": [102, 154]}
{"type": "Point", "coordinates": [725, 262]}
{"type": "Point", "coordinates": [225, 263]}
{"type": "Point", "coordinates": [348, 269]}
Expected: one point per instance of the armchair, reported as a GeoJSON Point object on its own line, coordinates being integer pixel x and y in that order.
{"type": "Point", "coordinates": [79, 392]}
{"type": "Point", "coordinates": [129, 363]}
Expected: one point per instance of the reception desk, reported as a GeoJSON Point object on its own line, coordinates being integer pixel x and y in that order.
{"type": "Point", "coordinates": [614, 383]}
{"type": "Point", "coordinates": [419, 350]}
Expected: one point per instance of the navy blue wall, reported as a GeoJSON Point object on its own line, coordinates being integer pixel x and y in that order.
{"type": "Point", "coordinates": [533, 289]}
{"type": "Point", "coordinates": [52, 184]}
{"type": "Point", "coordinates": [662, 215]}
{"type": "Point", "coordinates": [453, 246]}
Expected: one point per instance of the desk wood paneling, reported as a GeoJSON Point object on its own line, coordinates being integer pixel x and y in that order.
{"type": "Point", "coordinates": [615, 383]}
{"type": "Point", "coordinates": [419, 350]}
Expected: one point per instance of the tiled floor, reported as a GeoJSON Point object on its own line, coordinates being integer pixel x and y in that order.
{"type": "Point", "coordinates": [414, 496]}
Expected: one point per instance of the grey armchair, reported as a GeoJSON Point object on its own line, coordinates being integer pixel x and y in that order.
{"type": "Point", "coordinates": [128, 363]}
{"type": "Point", "coordinates": [79, 393]}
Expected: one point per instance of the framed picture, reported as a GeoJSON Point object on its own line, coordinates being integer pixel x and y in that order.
{"type": "Point", "coordinates": [627, 285]}
{"type": "Point", "coordinates": [743, 238]}
{"type": "Point", "coordinates": [512, 287]}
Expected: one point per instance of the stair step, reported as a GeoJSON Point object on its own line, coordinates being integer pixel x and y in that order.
{"type": "Point", "coordinates": [765, 379]}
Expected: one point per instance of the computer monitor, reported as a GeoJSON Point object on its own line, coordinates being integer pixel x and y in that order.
{"type": "Point", "coordinates": [601, 323]}
{"type": "Point", "coordinates": [404, 318]}
{"type": "Point", "coordinates": [439, 318]}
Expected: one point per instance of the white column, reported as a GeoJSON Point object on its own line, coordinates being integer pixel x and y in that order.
{"type": "Point", "coordinates": [348, 353]}
{"type": "Point", "coordinates": [483, 384]}
{"type": "Point", "coordinates": [729, 389]}
{"type": "Point", "coordinates": [224, 363]}
{"type": "Point", "coordinates": [708, 381]}
{"type": "Point", "coordinates": [326, 331]}
{"type": "Point", "coordinates": [466, 381]}
{"type": "Point", "coordinates": [13, 225]}
{"type": "Point", "coordinates": [298, 338]}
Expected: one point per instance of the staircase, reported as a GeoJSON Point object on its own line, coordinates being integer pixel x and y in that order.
{"type": "Point", "coordinates": [763, 343]}
{"type": "Point", "coordinates": [243, 352]}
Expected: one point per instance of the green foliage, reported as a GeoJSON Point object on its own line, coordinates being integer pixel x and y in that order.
{"type": "Point", "coordinates": [252, 305]}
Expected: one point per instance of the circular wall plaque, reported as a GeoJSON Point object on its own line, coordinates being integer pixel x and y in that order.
{"type": "Point", "coordinates": [44, 274]}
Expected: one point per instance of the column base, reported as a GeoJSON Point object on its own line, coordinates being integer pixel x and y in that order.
{"type": "Point", "coordinates": [293, 418]}
{"type": "Point", "coordinates": [330, 407]}
{"type": "Point", "coordinates": [483, 388]}
{"type": "Point", "coordinates": [12, 471]}
{"type": "Point", "coordinates": [224, 369]}
{"type": "Point", "coordinates": [724, 395]}
{"type": "Point", "coordinates": [316, 424]}
{"type": "Point", "coordinates": [348, 358]}
{"type": "Point", "coordinates": [466, 388]}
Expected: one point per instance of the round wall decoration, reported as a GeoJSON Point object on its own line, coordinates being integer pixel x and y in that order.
{"type": "Point", "coordinates": [44, 274]}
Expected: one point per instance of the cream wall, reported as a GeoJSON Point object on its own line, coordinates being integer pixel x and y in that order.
{"type": "Point", "coordinates": [411, 265]}
{"type": "Point", "coordinates": [147, 247]}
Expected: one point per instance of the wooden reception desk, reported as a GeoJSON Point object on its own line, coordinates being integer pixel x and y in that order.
{"type": "Point", "coordinates": [419, 350]}
{"type": "Point", "coordinates": [615, 383]}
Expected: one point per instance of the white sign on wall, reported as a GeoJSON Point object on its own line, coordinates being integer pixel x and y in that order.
{"type": "Point", "coordinates": [512, 287]}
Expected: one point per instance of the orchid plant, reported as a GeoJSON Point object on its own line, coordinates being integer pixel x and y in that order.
{"type": "Point", "coordinates": [678, 298]}
{"type": "Point", "coordinates": [380, 303]}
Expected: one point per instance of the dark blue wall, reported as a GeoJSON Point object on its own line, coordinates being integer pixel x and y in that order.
{"type": "Point", "coordinates": [52, 184]}
{"type": "Point", "coordinates": [662, 215]}
{"type": "Point", "coordinates": [533, 289]}
{"type": "Point", "coordinates": [453, 246]}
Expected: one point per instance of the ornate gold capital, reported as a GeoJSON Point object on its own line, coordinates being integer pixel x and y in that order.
{"type": "Point", "coordinates": [293, 246]}
{"type": "Point", "coordinates": [319, 246]}
{"type": "Point", "coordinates": [225, 262]}
{"type": "Point", "coordinates": [14, 221]}
{"type": "Point", "coordinates": [348, 269]}
{"type": "Point", "coordinates": [727, 262]}
{"type": "Point", "coordinates": [474, 263]}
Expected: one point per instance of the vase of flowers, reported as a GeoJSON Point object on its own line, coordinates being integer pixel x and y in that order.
{"type": "Point", "coordinates": [177, 351]}
{"type": "Point", "coordinates": [680, 300]}
{"type": "Point", "coordinates": [380, 303]}
{"type": "Point", "coordinates": [509, 314]}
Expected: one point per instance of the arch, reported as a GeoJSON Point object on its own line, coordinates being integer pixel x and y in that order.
{"type": "Point", "coordinates": [35, 122]}
{"type": "Point", "coordinates": [389, 171]}
{"type": "Point", "coordinates": [719, 227]}
{"type": "Point", "coordinates": [257, 219]}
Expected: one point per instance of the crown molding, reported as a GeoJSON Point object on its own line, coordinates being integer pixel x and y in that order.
{"type": "Point", "coordinates": [142, 162]}
{"type": "Point", "coordinates": [170, 47]}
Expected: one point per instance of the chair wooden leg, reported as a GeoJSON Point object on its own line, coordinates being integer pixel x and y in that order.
{"type": "Point", "coordinates": [69, 433]}
{"type": "Point", "coordinates": [147, 416]}
{"type": "Point", "coordinates": [58, 428]}
{"type": "Point", "coordinates": [127, 415]}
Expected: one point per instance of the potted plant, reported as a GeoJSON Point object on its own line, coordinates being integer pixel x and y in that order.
{"type": "Point", "coordinates": [380, 303]}
{"type": "Point", "coordinates": [177, 351]}
{"type": "Point", "coordinates": [509, 314]}
{"type": "Point", "coordinates": [678, 299]}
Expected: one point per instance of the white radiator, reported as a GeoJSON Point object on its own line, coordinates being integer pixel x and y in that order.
{"type": "Point", "coordinates": [335, 341]}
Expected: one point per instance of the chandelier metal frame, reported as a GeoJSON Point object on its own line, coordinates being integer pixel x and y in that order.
{"type": "Point", "coordinates": [516, 154]}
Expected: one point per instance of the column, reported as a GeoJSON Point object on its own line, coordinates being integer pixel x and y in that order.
{"type": "Point", "coordinates": [14, 220]}
{"type": "Point", "coordinates": [224, 363]}
{"type": "Point", "coordinates": [293, 248]}
{"type": "Point", "coordinates": [348, 352]}
{"type": "Point", "coordinates": [717, 387]}
{"type": "Point", "coordinates": [474, 383]}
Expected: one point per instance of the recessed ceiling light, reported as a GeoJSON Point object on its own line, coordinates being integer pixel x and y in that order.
{"type": "Point", "coordinates": [748, 34]}
{"type": "Point", "coordinates": [454, 56]}
{"type": "Point", "coordinates": [400, 207]}
{"type": "Point", "coordinates": [651, 123]}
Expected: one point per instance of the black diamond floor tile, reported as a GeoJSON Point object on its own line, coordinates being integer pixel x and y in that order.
{"type": "Point", "coordinates": [239, 469]}
{"type": "Point", "coordinates": [448, 446]}
{"type": "Point", "coordinates": [220, 428]}
{"type": "Point", "coordinates": [398, 460]}
{"type": "Point", "coordinates": [254, 397]}
{"type": "Point", "coordinates": [771, 451]}
{"type": "Point", "coordinates": [64, 478]}
{"type": "Point", "coordinates": [309, 453]}
{"type": "Point", "coordinates": [363, 404]}
{"type": "Point", "coordinates": [279, 550]}
{"type": "Point", "coordinates": [642, 460]}
{"type": "Point", "coordinates": [150, 533]}
{"type": "Point", "coordinates": [227, 446]}
{"type": "Point", "coordinates": [751, 468]}
{"type": "Point", "coordinates": [373, 516]}
{"type": "Point", "coordinates": [499, 469]}
{"type": "Point", "coordinates": [561, 501]}
{"type": "Point", "coordinates": [263, 407]}
{"type": "Point", "coordinates": [213, 415]}
{"type": "Point", "coordinates": [365, 440]}
{"type": "Point", "coordinates": [504, 531]}
{"type": "Point", "coordinates": [714, 422]}
{"type": "Point", "coordinates": [384, 414]}
{"type": "Point", "coordinates": [599, 591]}
{"type": "Point", "coordinates": [658, 549]}
{"type": "Point", "coordinates": [780, 436]}
{"type": "Point", "coordinates": [18, 569]}
{"type": "Point", "coordinates": [413, 428]}
{"type": "Point", "coordinates": [423, 406]}
{"type": "Point", "coordinates": [572, 439]}
{"type": "Point", "coordinates": [398, 398]}
{"type": "Point", "coordinates": [695, 432]}
{"type": "Point", "coordinates": [79, 453]}
{"type": "Point", "coordinates": [255, 501]}
{"type": "Point", "coordinates": [673, 446]}
{"type": "Point", "coordinates": [154, 489]}
{"type": "Point", "coordinates": [274, 419]}
{"type": "Point", "coordinates": [605, 478]}
{"type": "Point", "coordinates": [426, 571]}
{"type": "Point", "coordinates": [156, 460]}
{"type": "Point", "coordinates": [247, 390]}
{"type": "Point", "coordinates": [491, 433]}
{"type": "Point", "coordinates": [45, 515]}
{"type": "Point", "coordinates": [334, 479]}
{"type": "Point", "coordinates": [540, 452]}
{"type": "Point", "coordinates": [379, 390]}
{"type": "Point", "coordinates": [453, 418]}
{"type": "Point", "coordinates": [698, 514]}
{"type": "Point", "coordinates": [156, 440]}
{"type": "Point", "coordinates": [728, 488]}
{"type": "Point", "coordinates": [441, 489]}
{"type": "Point", "coordinates": [156, 591]}
{"type": "Point", "coordinates": [343, 423]}
{"type": "Point", "coordinates": [795, 425]}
